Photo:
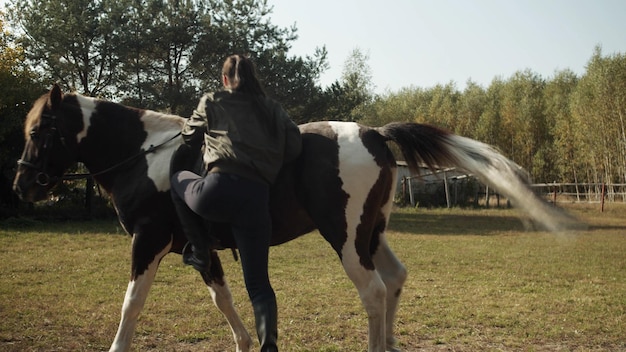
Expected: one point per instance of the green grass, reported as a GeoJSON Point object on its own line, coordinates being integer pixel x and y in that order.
{"type": "Point", "coordinates": [477, 282]}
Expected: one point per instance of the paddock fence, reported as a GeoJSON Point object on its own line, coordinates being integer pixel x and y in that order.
{"type": "Point", "coordinates": [449, 187]}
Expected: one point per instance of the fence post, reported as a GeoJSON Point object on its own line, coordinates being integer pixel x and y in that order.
{"type": "Point", "coordinates": [487, 196]}
{"type": "Point", "coordinates": [403, 184]}
{"type": "Point", "coordinates": [445, 185]}
{"type": "Point", "coordinates": [602, 199]}
{"type": "Point", "coordinates": [411, 200]}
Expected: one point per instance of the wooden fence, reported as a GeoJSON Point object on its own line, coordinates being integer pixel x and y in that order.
{"type": "Point", "coordinates": [450, 188]}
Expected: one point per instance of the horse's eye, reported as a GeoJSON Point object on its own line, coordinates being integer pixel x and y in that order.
{"type": "Point", "coordinates": [34, 134]}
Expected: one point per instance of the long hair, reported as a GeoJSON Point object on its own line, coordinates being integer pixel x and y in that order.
{"type": "Point", "coordinates": [242, 76]}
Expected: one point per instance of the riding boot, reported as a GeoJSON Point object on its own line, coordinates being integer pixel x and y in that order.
{"type": "Point", "coordinates": [197, 234]}
{"type": "Point", "coordinates": [266, 317]}
{"type": "Point", "coordinates": [192, 224]}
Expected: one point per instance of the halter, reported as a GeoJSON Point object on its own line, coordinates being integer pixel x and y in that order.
{"type": "Point", "coordinates": [43, 178]}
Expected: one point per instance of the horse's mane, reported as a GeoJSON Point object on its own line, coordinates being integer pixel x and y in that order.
{"type": "Point", "coordinates": [153, 120]}
{"type": "Point", "coordinates": [34, 114]}
{"type": "Point", "coordinates": [155, 117]}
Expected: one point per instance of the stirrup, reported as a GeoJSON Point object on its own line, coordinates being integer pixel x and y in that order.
{"type": "Point", "coordinates": [190, 258]}
{"type": "Point", "coordinates": [187, 251]}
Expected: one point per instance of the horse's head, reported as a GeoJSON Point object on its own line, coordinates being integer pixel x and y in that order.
{"type": "Point", "coordinates": [48, 153]}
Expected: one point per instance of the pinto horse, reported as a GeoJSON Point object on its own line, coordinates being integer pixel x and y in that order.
{"type": "Point", "coordinates": [342, 184]}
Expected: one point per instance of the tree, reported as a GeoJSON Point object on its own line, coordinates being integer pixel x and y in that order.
{"type": "Point", "coordinates": [293, 82]}
{"type": "Point", "coordinates": [70, 41]}
{"type": "Point", "coordinates": [442, 109]}
{"type": "Point", "coordinates": [599, 104]}
{"type": "Point", "coordinates": [357, 83]}
{"type": "Point", "coordinates": [238, 27]}
{"type": "Point", "coordinates": [164, 54]}
{"type": "Point", "coordinates": [489, 122]}
{"type": "Point", "coordinates": [348, 99]}
{"type": "Point", "coordinates": [566, 132]}
{"type": "Point", "coordinates": [156, 50]}
{"type": "Point", "coordinates": [471, 105]}
{"type": "Point", "coordinates": [523, 121]}
{"type": "Point", "coordinates": [244, 27]}
{"type": "Point", "coordinates": [19, 87]}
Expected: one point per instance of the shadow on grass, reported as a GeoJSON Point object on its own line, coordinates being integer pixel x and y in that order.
{"type": "Point", "coordinates": [417, 223]}
{"type": "Point", "coordinates": [100, 226]}
{"type": "Point", "coordinates": [607, 228]}
{"type": "Point", "coordinates": [455, 223]}
{"type": "Point", "coordinates": [425, 223]}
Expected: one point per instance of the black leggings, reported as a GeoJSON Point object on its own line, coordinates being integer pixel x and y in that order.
{"type": "Point", "coordinates": [242, 203]}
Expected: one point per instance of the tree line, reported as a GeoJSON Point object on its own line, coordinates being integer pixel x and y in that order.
{"type": "Point", "coordinates": [152, 54]}
{"type": "Point", "coordinates": [564, 128]}
{"type": "Point", "coordinates": [163, 54]}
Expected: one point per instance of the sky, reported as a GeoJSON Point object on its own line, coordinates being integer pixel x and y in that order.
{"type": "Point", "coordinates": [422, 43]}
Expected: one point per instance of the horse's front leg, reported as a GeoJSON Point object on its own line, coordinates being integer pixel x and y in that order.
{"type": "Point", "coordinates": [142, 277]}
{"type": "Point", "coordinates": [223, 299]}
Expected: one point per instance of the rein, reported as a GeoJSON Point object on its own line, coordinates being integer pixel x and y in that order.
{"type": "Point", "coordinates": [151, 149]}
{"type": "Point", "coordinates": [44, 179]}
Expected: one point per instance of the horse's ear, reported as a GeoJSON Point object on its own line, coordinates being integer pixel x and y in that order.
{"type": "Point", "coordinates": [55, 96]}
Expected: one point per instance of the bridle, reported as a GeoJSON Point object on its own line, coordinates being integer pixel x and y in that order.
{"type": "Point", "coordinates": [43, 178]}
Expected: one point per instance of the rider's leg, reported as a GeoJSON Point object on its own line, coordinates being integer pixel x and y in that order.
{"type": "Point", "coordinates": [253, 232]}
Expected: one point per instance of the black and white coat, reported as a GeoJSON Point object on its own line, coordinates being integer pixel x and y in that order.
{"type": "Point", "coordinates": [342, 184]}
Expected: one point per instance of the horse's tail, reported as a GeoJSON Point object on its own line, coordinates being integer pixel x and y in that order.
{"type": "Point", "coordinates": [436, 148]}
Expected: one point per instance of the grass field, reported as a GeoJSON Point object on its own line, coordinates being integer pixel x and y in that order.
{"type": "Point", "coordinates": [477, 282]}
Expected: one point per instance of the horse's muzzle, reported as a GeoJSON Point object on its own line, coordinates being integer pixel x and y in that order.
{"type": "Point", "coordinates": [32, 189]}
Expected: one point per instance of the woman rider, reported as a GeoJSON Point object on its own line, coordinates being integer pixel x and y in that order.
{"type": "Point", "coordinates": [247, 139]}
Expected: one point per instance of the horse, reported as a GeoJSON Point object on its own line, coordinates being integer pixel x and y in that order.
{"type": "Point", "coordinates": [342, 184]}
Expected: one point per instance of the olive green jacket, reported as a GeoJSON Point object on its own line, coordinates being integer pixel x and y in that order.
{"type": "Point", "coordinates": [248, 136]}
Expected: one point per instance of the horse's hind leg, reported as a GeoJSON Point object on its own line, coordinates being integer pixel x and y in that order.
{"type": "Point", "coordinates": [223, 299]}
{"type": "Point", "coordinates": [393, 274]}
{"type": "Point", "coordinates": [372, 292]}
{"type": "Point", "coordinates": [378, 275]}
